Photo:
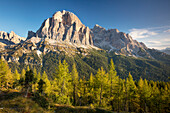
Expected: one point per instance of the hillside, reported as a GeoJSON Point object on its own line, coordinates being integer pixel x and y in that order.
{"type": "Point", "coordinates": [64, 36]}
{"type": "Point", "coordinates": [139, 67]}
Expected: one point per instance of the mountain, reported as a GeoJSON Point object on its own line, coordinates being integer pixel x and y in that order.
{"type": "Point", "coordinates": [63, 36]}
{"type": "Point", "coordinates": [10, 38]}
{"type": "Point", "coordinates": [120, 42]}
{"type": "Point", "coordinates": [167, 51]}
{"type": "Point", "coordinates": [64, 26]}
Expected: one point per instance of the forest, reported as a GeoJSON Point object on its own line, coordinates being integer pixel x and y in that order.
{"type": "Point", "coordinates": [104, 90]}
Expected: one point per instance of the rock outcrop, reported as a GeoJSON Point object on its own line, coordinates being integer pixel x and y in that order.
{"type": "Point", "coordinates": [64, 26]}
{"type": "Point", "coordinates": [10, 38]}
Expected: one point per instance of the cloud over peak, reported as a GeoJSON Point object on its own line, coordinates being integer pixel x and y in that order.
{"type": "Point", "coordinates": [167, 31]}
{"type": "Point", "coordinates": [141, 33]}
{"type": "Point", "coordinates": [155, 37]}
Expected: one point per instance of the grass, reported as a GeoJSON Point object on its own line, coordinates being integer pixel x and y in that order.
{"type": "Point", "coordinates": [78, 109]}
{"type": "Point", "coordinates": [12, 101]}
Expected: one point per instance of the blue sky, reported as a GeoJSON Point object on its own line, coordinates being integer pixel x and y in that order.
{"type": "Point", "coordinates": [146, 20]}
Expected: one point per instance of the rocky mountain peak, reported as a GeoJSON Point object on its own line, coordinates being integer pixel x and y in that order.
{"type": "Point", "coordinates": [10, 38]}
{"type": "Point", "coordinates": [64, 26]}
{"type": "Point", "coordinates": [67, 18]}
{"type": "Point", "coordinates": [98, 28]}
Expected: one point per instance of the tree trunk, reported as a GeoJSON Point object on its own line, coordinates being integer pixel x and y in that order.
{"type": "Point", "coordinates": [101, 95]}
{"type": "Point", "coordinates": [62, 88]}
{"type": "Point", "coordinates": [27, 92]}
{"type": "Point", "coordinates": [111, 88]}
{"type": "Point", "coordinates": [74, 95]}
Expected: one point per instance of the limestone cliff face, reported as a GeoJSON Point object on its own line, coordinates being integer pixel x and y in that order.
{"type": "Point", "coordinates": [120, 42]}
{"type": "Point", "coordinates": [10, 38]}
{"type": "Point", "coordinates": [64, 26]}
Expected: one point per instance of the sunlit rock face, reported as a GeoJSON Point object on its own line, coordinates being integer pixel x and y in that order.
{"type": "Point", "coordinates": [64, 26]}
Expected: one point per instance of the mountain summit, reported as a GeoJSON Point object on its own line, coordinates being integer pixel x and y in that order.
{"type": "Point", "coordinates": [64, 26]}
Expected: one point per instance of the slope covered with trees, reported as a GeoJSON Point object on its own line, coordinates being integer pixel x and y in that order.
{"type": "Point", "coordinates": [105, 89]}
{"type": "Point", "coordinates": [149, 69]}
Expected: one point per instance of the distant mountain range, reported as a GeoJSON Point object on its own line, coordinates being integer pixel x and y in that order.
{"type": "Point", "coordinates": [167, 51]}
{"type": "Point", "coordinates": [64, 34]}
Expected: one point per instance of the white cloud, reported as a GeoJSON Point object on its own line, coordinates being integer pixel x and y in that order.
{"type": "Point", "coordinates": [154, 37]}
{"type": "Point", "coordinates": [166, 39]}
{"type": "Point", "coordinates": [141, 33]}
{"type": "Point", "coordinates": [154, 42]}
{"type": "Point", "coordinates": [167, 31]}
{"type": "Point", "coordinates": [157, 43]}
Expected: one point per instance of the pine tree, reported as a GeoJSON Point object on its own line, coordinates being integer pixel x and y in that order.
{"type": "Point", "coordinates": [41, 84]}
{"type": "Point", "coordinates": [29, 79]}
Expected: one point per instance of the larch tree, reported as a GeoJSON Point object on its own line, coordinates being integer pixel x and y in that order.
{"type": "Point", "coordinates": [35, 84]}
{"type": "Point", "coordinates": [16, 76]}
{"type": "Point", "coordinates": [38, 77]}
{"type": "Point", "coordinates": [83, 92]}
{"type": "Point", "coordinates": [101, 82]}
{"type": "Point", "coordinates": [113, 84]}
{"type": "Point", "coordinates": [47, 85]}
{"type": "Point", "coordinates": [132, 95]}
{"type": "Point", "coordinates": [6, 77]}
{"type": "Point", "coordinates": [91, 94]}
{"type": "Point", "coordinates": [141, 94]}
{"type": "Point", "coordinates": [75, 81]}
{"type": "Point", "coordinates": [23, 73]}
{"type": "Point", "coordinates": [28, 68]}
{"type": "Point", "coordinates": [63, 80]}
{"type": "Point", "coordinates": [113, 78]}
